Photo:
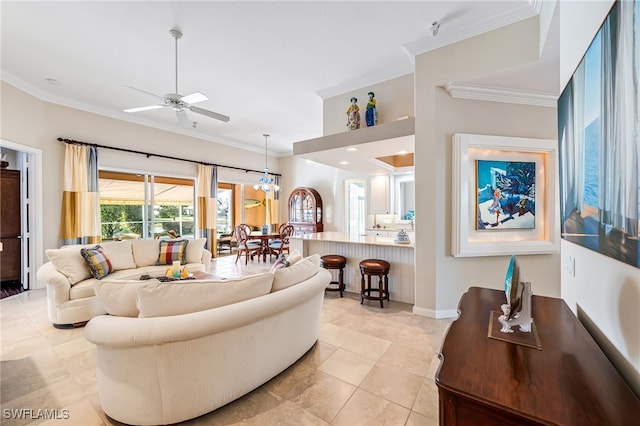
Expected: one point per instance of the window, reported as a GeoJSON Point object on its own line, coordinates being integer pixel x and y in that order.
{"type": "Point", "coordinates": [136, 206]}
{"type": "Point", "coordinates": [224, 219]}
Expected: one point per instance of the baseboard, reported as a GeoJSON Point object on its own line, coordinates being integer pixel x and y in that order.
{"type": "Point", "coordinates": [438, 314]}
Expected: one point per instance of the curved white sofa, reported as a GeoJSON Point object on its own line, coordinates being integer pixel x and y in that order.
{"type": "Point", "coordinates": [70, 286]}
{"type": "Point", "coordinates": [168, 369]}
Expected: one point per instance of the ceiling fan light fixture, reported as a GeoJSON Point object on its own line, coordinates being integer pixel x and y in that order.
{"type": "Point", "coordinates": [266, 183]}
{"type": "Point", "coordinates": [144, 108]}
{"type": "Point", "coordinates": [194, 98]}
{"type": "Point", "coordinates": [177, 102]}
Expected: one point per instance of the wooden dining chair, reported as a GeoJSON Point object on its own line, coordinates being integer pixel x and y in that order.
{"type": "Point", "coordinates": [245, 246]}
{"type": "Point", "coordinates": [281, 245]}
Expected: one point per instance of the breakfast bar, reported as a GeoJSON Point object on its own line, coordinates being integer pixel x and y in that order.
{"type": "Point", "coordinates": [359, 247]}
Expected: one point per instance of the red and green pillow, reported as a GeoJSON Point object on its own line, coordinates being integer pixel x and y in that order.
{"type": "Point", "coordinates": [172, 250]}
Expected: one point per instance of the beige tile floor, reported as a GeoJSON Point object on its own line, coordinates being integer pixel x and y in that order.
{"type": "Point", "coordinates": [370, 367]}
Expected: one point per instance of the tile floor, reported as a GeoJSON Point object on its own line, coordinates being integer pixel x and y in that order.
{"type": "Point", "coordinates": [370, 367]}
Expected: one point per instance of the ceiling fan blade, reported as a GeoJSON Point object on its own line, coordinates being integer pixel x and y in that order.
{"type": "Point", "coordinates": [146, 93]}
{"type": "Point", "coordinates": [193, 98]}
{"type": "Point", "coordinates": [183, 119]}
{"type": "Point", "coordinates": [144, 108]}
{"type": "Point", "coordinates": [209, 113]}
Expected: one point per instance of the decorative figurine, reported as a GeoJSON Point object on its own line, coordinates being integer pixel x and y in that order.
{"type": "Point", "coordinates": [517, 310]}
{"type": "Point", "coordinates": [353, 115]}
{"type": "Point", "coordinates": [371, 114]}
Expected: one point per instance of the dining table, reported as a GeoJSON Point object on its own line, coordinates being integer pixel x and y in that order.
{"type": "Point", "coordinates": [264, 241]}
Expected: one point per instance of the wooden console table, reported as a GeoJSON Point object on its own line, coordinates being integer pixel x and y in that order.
{"type": "Point", "coordinates": [484, 381]}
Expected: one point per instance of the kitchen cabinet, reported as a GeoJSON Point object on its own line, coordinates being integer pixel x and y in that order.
{"type": "Point", "coordinates": [305, 211]}
{"type": "Point", "coordinates": [377, 233]}
{"type": "Point", "coordinates": [380, 195]}
{"type": "Point", "coordinates": [388, 233]}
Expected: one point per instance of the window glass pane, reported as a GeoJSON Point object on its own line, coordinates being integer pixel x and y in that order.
{"type": "Point", "coordinates": [225, 211]}
{"type": "Point", "coordinates": [122, 206]}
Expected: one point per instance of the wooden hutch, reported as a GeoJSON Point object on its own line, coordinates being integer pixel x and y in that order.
{"type": "Point", "coordinates": [305, 211]}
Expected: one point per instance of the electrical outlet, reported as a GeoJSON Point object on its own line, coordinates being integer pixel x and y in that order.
{"type": "Point", "coordinates": [570, 266]}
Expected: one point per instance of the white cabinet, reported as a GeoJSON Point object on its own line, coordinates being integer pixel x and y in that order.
{"type": "Point", "coordinates": [380, 195]}
{"type": "Point", "coordinates": [378, 233]}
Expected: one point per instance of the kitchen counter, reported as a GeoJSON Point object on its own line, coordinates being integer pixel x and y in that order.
{"type": "Point", "coordinates": [359, 247]}
{"type": "Point", "coordinates": [343, 237]}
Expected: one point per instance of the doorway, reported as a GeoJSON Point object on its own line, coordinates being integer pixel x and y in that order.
{"type": "Point", "coordinates": [28, 162]}
{"type": "Point", "coordinates": [356, 202]}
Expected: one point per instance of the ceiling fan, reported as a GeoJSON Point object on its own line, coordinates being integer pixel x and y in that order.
{"type": "Point", "coordinates": [178, 102]}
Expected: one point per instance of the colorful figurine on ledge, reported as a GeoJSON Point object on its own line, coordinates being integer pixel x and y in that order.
{"type": "Point", "coordinates": [353, 115]}
{"type": "Point", "coordinates": [371, 114]}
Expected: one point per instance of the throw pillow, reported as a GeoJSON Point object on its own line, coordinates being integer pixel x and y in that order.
{"type": "Point", "coordinates": [120, 254]}
{"type": "Point", "coordinates": [194, 250]}
{"type": "Point", "coordinates": [171, 251]}
{"type": "Point", "coordinates": [302, 270]}
{"type": "Point", "coordinates": [293, 257]}
{"type": "Point", "coordinates": [281, 262]}
{"type": "Point", "coordinates": [70, 263]}
{"type": "Point", "coordinates": [97, 260]}
{"type": "Point", "coordinates": [167, 299]}
{"type": "Point", "coordinates": [145, 252]}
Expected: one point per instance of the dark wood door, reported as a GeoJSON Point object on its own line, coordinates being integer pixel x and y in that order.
{"type": "Point", "coordinates": [10, 263]}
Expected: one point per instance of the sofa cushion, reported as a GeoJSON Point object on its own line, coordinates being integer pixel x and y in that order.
{"type": "Point", "coordinates": [194, 250]}
{"type": "Point", "coordinates": [171, 251]}
{"type": "Point", "coordinates": [182, 297]}
{"type": "Point", "coordinates": [70, 263]}
{"type": "Point", "coordinates": [118, 297]}
{"type": "Point", "coordinates": [145, 252]}
{"type": "Point", "coordinates": [298, 272]}
{"type": "Point", "coordinates": [97, 260]}
{"type": "Point", "coordinates": [120, 254]}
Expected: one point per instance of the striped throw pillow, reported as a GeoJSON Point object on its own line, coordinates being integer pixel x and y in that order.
{"type": "Point", "coordinates": [99, 264]}
{"type": "Point", "coordinates": [171, 251]}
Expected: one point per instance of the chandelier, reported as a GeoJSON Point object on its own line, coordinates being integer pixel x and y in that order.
{"type": "Point", "coordinates": [266, 183]}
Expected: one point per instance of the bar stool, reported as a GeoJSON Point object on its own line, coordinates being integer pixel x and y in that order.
{"type": "Point", "coordinates": [335, 261]}
{"type": "Point", "coordinates": [379, 268]}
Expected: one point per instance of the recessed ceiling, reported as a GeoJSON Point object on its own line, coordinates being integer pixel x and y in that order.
{"type": "Point", "coordinates": [367, 160]}
{"type": "Point", "coordinates": [265, 64]}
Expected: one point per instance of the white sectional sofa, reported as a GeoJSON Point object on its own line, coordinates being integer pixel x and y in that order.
{"type": "Point", "coordinates": [178, 359]}
{"type": "Point", "coordinates": [70, 284]}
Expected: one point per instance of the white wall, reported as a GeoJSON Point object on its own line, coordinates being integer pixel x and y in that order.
{"type": "Point", "coordinates": [394, 99]}
{"type": "Point", "coordinates": [605, 290]}
{"type": "Point", "coordinates": [29, 121]}
{"type": "Point", "coordinates": [440, 278]}
{"type": "Point", "coordinates": [328, 181]}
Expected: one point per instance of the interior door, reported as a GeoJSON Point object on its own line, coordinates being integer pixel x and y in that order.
{"type": "Point", "coordinates": [10, 226]}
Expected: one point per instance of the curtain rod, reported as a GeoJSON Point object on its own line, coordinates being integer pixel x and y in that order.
{"type": "Point", "coordinates": [149, 154]}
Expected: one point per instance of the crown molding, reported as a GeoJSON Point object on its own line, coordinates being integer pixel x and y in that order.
{"type": "Point", "coordinates": [497, 94]}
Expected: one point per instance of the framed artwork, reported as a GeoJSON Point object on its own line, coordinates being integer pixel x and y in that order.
{"type": "Point", "coordinates": [504, 193]}
{"type": "Point", "coordinates": [599, 140]}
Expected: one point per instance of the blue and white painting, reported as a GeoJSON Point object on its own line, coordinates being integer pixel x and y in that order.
{"type": "Point", "coordinates": [506, 195]}
{"type": "Point", "coordinates": [599, 141]}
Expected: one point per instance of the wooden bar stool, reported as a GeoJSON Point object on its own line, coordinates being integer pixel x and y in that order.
{"type": "Point", "coordinates": [379, 268]}
{"type": "Point", "coordinates": [335, 261]}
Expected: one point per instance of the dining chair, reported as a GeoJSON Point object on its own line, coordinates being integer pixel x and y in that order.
{"type": "Point", "coordinates": [249, 248]}
{"type": "Point", "coordinates": [278, 246]}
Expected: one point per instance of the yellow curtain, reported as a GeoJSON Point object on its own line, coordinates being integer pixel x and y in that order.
{"type": "Point", "coordinates": [80, 216]}
{"type": "Point", "coordinates": [206, 192]}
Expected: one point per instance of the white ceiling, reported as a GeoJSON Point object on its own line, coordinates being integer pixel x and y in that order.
{"type": "Point", "coordinates": [265, 64]}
